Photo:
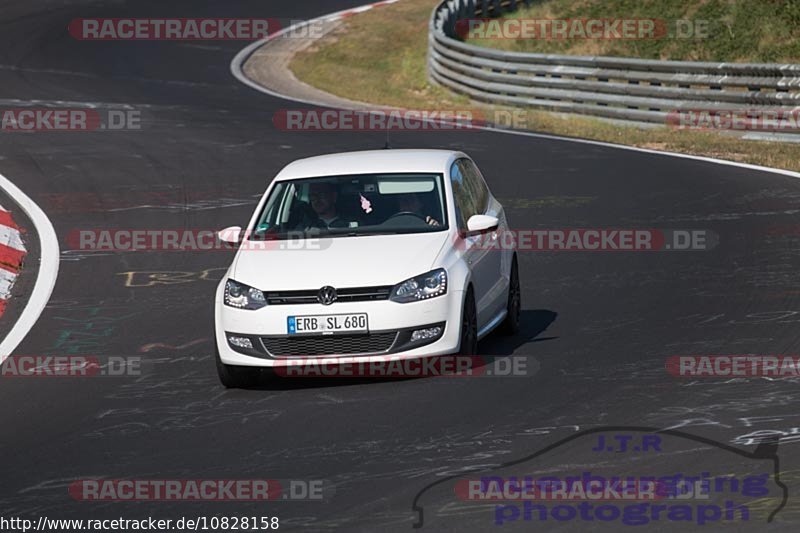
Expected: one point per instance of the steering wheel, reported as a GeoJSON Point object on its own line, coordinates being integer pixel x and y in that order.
{"type": "Point", "coordinates": [407, 213]}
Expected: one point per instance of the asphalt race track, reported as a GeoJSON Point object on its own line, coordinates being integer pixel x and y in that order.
{"type": "Point", "coordinates": [598, 326]}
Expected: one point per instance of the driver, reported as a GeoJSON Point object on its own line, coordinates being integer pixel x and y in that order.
{"type": "Point", "coordinates": [323, 198]}
{"type": "Point", "coordinates": [413, 204]}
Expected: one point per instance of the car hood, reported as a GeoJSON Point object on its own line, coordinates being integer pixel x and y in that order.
{"type": "Point", "coordinates": [340, 262]}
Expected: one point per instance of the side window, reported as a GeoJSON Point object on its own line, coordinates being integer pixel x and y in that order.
{"type": "Point", "coordinates": [470, 191]}
{"type": "Point", "coordinates": [286, 205]}
{"type": "Point", "coordinates": [464, 206]}
{"type": "Point", "coordinates": [270, 215]}
{"type": "Point", "coordinates": [476, 185]}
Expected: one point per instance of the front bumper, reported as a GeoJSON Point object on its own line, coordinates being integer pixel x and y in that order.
{"type": "Point", "coordinates": [383, 316]}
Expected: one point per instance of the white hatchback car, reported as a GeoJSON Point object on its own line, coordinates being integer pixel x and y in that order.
{"type": "Point", "coordinates": [376, 255]}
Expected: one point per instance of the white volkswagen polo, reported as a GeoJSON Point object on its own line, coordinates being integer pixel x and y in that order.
{"type": "Point", "coordinates": [376, 255]}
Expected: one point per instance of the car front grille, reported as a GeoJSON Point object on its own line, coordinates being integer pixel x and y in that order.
{"type": "Point", "coordinates": [316, 345]}
{"type": "Point", "coordinates": [354, 294]}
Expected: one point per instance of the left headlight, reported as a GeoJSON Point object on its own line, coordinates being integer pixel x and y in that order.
{"type": "Point", "coordinates": [423, 287]}
{"type": "Point", "coordinates": [243, 296]}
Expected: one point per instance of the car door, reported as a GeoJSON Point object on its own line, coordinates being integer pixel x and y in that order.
{"type": "Point", "coordinates": [492, 261]}
{"type": "Point", "coordinates": [471, 200]}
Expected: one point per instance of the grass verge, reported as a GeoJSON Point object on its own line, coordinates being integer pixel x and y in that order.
{"type": "Point", "coordinates": [763, 31]}
{"type": "Point", "coordinates": [380, 57]}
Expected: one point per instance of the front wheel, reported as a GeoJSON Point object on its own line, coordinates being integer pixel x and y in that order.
{"type": "Point", "coordinates": [510, 325]}
{"type": "Point", "coordinates": [235, 377]}
{"type": "Point", "coordinates": [469, 326]}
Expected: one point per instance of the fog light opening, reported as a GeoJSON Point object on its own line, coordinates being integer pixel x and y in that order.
{"type": "Point", "coordinates": [425, 334]}
{"type": "Point", "coordinates": [240, 342]}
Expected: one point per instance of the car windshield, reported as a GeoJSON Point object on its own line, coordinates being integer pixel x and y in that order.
{"type": "Point", "coordinates": [363, 204]}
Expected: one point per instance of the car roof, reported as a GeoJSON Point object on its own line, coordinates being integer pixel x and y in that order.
{"type": "Point", "coordinates": [370, 161]}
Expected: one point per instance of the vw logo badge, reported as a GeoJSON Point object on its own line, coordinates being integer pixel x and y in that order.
{"type": "Point", "coordinates": [326, 295]}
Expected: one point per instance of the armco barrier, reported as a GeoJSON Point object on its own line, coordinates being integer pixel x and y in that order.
{"type": "Point", "coordinates": [612, 87]}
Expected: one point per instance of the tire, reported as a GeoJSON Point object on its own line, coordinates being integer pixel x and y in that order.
{"type": "Point", "coordinates": [469, 326]}
{"type": "Point", "coordinates": [510, 325]}
{"type": "Point", "coordinates": [235, 377]}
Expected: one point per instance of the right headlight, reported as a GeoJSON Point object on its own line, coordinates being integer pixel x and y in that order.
{"type": "Point", "coordinates": [243, 296]}
{"type": "Point", "coordinates": [423, 287]}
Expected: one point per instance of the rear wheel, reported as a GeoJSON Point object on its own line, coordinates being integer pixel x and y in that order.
{"type": "Point", "coordinates": [235, 377]}
{"type": "Point", "coordinates": [510, 325]}
{"type": "Point", "coordinates": [469, 326]}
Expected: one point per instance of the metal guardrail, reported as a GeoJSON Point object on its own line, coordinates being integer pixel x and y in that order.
{"type": "Point", "coordinates": [611, 87]}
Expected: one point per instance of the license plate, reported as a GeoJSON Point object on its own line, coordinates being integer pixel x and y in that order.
{"type": "Point", "coordinates": [327, 324]}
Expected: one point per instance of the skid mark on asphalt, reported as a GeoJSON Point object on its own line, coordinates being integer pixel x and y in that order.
{"type": "Point", "coordinates": [156, 345]}
{"type": "Point", "coordinates": [171, 199]}
{"type": "Point", "coordinates": [747, 422]}
{"type": "Point", "coordinates": [206, 205]}
{"type": "Point", "coordinates": [546, 201]}
{"type": "Point", "coordinates": [192, 416]}
{"type": "Point", "coordinates": [77, 255]}
{"type": "Point", "coordinates": [717, 344]}
{"type": "Point", "coordinates": [330, 399]}
{"type": "Point", "coordinates": [727, 216]}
